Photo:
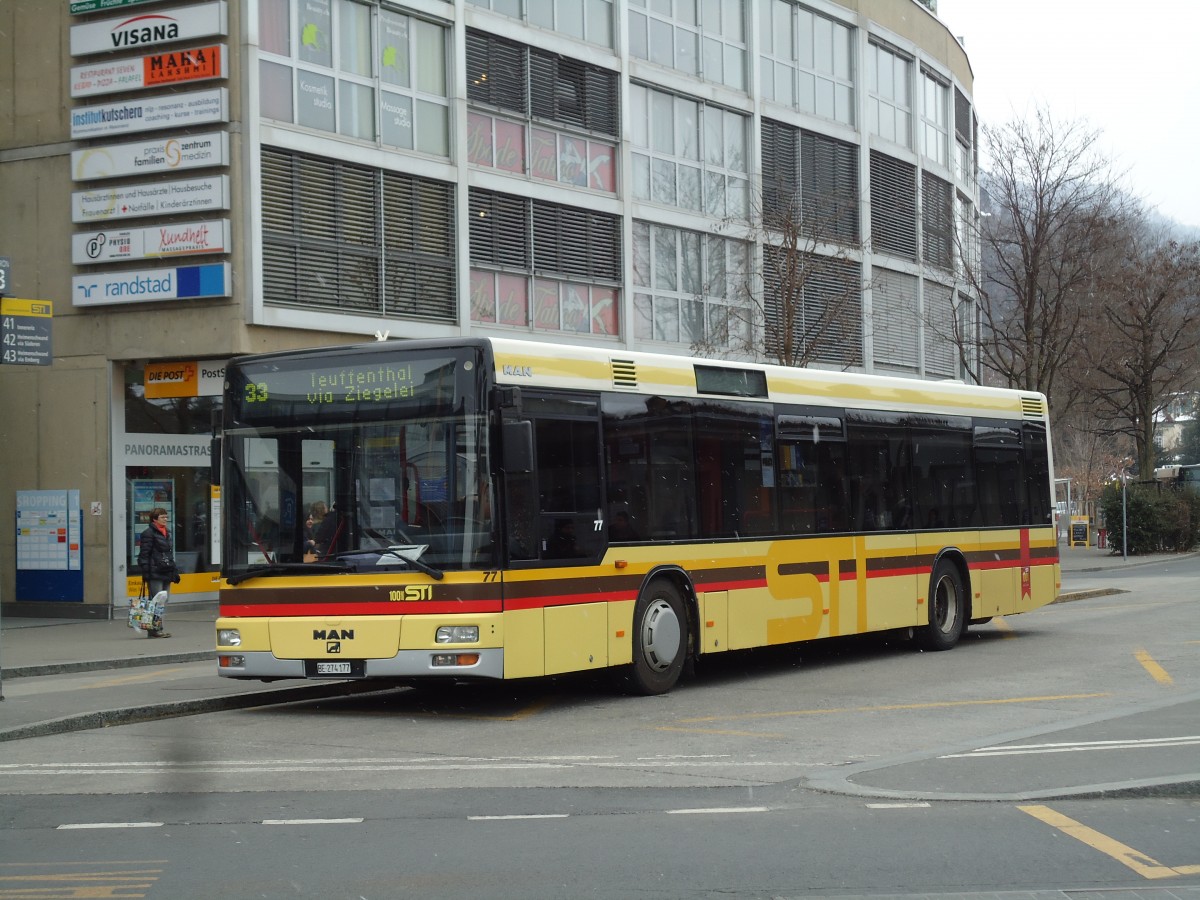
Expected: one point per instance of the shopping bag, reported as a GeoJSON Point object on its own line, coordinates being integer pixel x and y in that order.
{"type": "Point", "coordinates": [146, 613]}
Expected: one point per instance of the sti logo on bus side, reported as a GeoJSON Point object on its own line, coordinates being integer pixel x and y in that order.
{"type": "Point", "coordinates": [518, 371]}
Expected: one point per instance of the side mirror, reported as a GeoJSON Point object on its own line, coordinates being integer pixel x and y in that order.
{"type": "Point", "coordinates": [517, 437]}
{"type": "Point", "coordinates": [214, 460]}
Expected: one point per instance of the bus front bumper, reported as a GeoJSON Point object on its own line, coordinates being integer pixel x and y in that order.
{"type": "Point", "coordinates": [447, 663]}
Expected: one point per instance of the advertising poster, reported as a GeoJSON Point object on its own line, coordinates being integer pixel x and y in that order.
{"type": "Point", "coordinates": [144, 495]}
{"type": "Point", "coordinates": [49, 546]}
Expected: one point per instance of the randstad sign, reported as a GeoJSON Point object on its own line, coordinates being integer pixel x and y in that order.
{"type": "Point", "coordinates": [180, 283]}
{"type": "Point", "coordinates": [146, 29]}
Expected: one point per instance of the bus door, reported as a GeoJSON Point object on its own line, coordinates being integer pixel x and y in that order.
{"type": "Point", "coordinates": [880, 472]}
{"type": "Point", "coordinates": [554, 512]}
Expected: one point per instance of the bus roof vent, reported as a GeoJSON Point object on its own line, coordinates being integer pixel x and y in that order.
{"type": "Point", "coordinates": [1033, 407]}
{"type": "Point", "coordinates": [624, 373]}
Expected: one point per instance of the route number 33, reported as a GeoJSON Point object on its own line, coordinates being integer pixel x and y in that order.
{"type": "Point", "coordinates": [256, 392]}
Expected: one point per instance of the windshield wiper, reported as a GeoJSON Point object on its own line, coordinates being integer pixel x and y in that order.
{"type": "Point", "coordinates": [286, 569]}
{"type": "Point", "coordinates": [435, 574]}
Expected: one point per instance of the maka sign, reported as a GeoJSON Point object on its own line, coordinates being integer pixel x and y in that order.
{"type": "Point", "coordinates": [149, 28]}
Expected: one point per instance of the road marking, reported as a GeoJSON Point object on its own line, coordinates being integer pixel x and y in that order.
{"type": "Point", "coordinates": [1142, 864]}
{"type": "Point", "coordinates": [509, 818]}
{"type": "Point", "coordinates": [942, 704]}
{"type": "Point", "coordinates": [1006, 630]}
{"type": "Point", "coordinates": [1030, 749]}
{"type": "Point", "coordinates": [76, 825]}
{"type": "Point", "coordinates": [716, 810]}
{"type": "Point", "coordinates": [351, 821]}
{"type": "Point", "coordinates": [1157, 672]}
{"type": "Point", "coordinates": [898, 806]}
{"type": "Point", "coordinates": [728, 732]}
{"type": "Point", "coordinates": [420, 764]}
{"type": "Point", "coordinates": [140, 678]}
{"type": "Point", "coordinates": [532, 709]}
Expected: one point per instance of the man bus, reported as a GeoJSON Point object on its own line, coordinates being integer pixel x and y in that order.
{"type": "Point", "coordinates": [513, 509]}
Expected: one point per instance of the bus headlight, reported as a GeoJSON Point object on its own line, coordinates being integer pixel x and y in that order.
{"type": "Point", "coordinates": [229, 637]}
{"type": "Point", "coordinates": [457, 634]}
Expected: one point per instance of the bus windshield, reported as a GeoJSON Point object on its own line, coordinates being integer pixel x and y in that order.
{"type": "Point", "coordinates": [360, 467]}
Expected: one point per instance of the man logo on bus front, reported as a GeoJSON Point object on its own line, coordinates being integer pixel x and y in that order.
{"type": "Point", "coordinates": [333, 646]}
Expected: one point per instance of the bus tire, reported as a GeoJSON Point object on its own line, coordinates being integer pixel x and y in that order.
{"type": "Point", "coordinates": [660, 640]}
{"type": "Point", "coordinates": [947, 604]}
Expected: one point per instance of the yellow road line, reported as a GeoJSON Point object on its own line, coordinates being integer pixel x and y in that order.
{"type": "Point", "coordinates": [727, 732]}
{"type": "Point", "coordinates": [1157, 672]}
{"type": "Point", "coordinates": [134, 679]}
{"type": "Point", "coordinates": [1125, 855]}
{"type": "Point", "coordinates": [531, 710]}
{"type": "Point", "coordinates": [1006, 630]}
{"type": "Point", "coordinates": [942, 704]}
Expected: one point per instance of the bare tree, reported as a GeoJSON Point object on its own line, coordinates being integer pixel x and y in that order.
{"type": "Point", "coordinates": [1144, 335]}
{"type": "Point", "coordinates": [803, 305]}
{"type": "Point", "coordinates": [1087, 456]}
{"type": "Point", "coordinates": [1053, 198]}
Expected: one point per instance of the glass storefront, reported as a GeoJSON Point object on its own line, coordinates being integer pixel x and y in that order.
{"type": "Point", "coordinates": [161, 452]}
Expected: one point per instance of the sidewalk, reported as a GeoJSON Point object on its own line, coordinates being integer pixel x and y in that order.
{"type": "Point", "coordinates": [76, 687]}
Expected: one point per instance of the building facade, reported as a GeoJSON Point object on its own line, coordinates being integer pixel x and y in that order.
{"type": "Point", "coordinates": [190, 181]}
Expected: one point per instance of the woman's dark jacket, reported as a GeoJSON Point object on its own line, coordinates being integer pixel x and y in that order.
{"type": "Point", "coordinates": [155, 559]}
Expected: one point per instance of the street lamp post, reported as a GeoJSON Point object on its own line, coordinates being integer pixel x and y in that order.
{"type": "Point", "coordinates": [1124, 514]}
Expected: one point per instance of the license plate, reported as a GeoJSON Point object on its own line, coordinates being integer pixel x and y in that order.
{"type": "Point", "coordinates": [335, 668]}
{"type": "Point", "coordinates": [328, 668]}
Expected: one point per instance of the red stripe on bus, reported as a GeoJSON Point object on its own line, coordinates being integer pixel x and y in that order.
{"type": "Point", "coordinates": [261, 610]}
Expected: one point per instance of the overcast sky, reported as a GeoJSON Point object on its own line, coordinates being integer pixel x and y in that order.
{"type": "Point", "coordinates": [1131, 70]}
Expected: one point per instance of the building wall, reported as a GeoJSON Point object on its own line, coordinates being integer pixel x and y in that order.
{"type": "Point", "coordinates": [63, 425]}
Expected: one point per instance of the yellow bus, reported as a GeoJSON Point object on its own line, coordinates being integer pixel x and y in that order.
{"type": "Point", "coordinates": [493, 509]}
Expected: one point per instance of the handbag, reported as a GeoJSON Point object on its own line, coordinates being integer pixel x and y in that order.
{"type": "Point", "coordinates": [145, 613]}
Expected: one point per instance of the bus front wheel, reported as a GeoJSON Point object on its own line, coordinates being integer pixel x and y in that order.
{"type": "Point", "coordinates": [947, 604]}
{"type": "Point", "coordinates": [660, 634]}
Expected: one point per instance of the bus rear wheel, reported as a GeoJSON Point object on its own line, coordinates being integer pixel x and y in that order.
{"type": "Point", "coordinates": [947, 609]}
{"type": "Point", "coordinates": [660, 640]}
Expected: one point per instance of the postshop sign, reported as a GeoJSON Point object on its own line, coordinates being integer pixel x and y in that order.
{"type": "Point", "coordinates": [184, 379]}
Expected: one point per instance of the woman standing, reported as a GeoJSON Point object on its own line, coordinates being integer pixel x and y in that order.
{"type": "Point", "coordinates": [156, 559]}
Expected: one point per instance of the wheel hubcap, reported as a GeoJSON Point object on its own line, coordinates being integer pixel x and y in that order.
{"type": "Point", "coordinates": [946, 606]}
{"type": "Point", "coordinates": [660, 635]}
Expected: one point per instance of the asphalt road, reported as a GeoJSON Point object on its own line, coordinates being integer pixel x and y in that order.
{"type": "Point", "coordinates": [1051, 754]}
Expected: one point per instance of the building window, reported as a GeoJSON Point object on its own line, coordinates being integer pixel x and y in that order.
{"type": "Point", "coordinates": [893, 206]}
{"type": "Point", "coordinates": [587, 20]}
{"type": "Point", "coordinates": [889, 90]}
{"type": "Point", "coordinates": [687, 287]}
{"type": "Point", "coordinates": [357, 70]}
{"type": "Point", "coordinates": [540, 86]}
{"type": "Point", "coordinates": [966, 247]}
{"type": "Point", "coordinates": [815, 301]}
{"type": "Point", "coordinates": [935, 115]}
{"type": "Point", "coordinates": [688, 154]}
{"type": "Point", "coordinates": [560, 110]}
{"type": "Point", "coordinates": [353, 239]}
{"type": "Point", "coordinates": [705, 38]}
{"type": "Point", "coordinates": [807, 61]}
{"type": "Point", "coordinates": [937, 222]}
{"type": "Point", "coordinates": [894, 320]}
{"type": "Point", "coordinates": [810, 181]}
{"type": "Point", "coordinates": [574, 252]}
{"type": "Point", "coordinates": [941, 350]}
{"type": "Point", "coordinates": [500, 143]}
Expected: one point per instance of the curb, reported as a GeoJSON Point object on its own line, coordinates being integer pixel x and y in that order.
{"type": "Point", "coordinates": [1086, 594]}
{"type": "Point", "coordinates": [155, 711]}
{"type": "Point", "coordinates": [97, 665]}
